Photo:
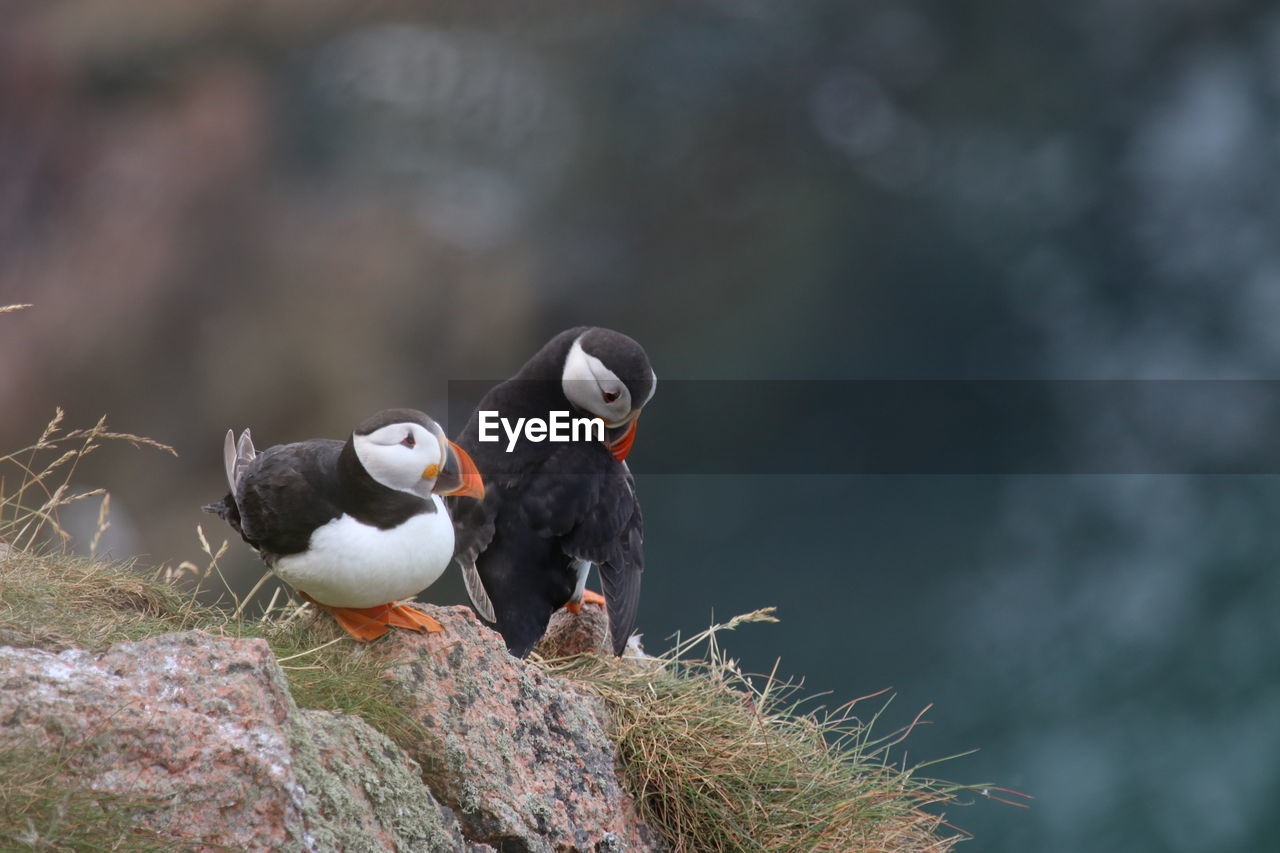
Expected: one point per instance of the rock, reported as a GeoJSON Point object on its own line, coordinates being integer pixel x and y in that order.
{"type": "Point", "coordinates": [364, 793]}
{"type": "Point", "coordinates": [587, 633]}
{"type": "Point", "coordinates": [583, 633]}
{"type": "Point", "coordinates": [204, 728]}
{"type": "Point", "coordinates": [524, 759]}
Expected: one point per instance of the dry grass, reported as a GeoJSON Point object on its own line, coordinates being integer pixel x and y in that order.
{"type": "Point", "coordinates": [724, 762]}
{"type": "Point", "coordinates": [53, 600]}
{"type": "Point", "coordinates": [36, 483]}
{"type": "Point", "coordinates": [60, 601]}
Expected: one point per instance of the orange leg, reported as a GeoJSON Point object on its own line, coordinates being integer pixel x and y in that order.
{"type": "Point", "coordinates": [588, 597]}
{"type": "Point", "coordinates": [370, 623]}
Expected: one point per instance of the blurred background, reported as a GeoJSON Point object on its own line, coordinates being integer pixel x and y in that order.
{"type": "Point", "coordinates": [289, 215]}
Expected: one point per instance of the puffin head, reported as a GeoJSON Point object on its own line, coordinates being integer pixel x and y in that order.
{"type": "Point", "coordinates": [403, 449]}
{"type": "Point", "coordinates": [607, 374]}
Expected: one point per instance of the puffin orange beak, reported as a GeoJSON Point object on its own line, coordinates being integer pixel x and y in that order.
{"type": "Point", "coordinates": [460, 475]}
{"type": "Point", "coordinates": [621, 446]}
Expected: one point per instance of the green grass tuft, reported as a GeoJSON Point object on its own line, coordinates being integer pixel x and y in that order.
{"type": "Point", "coordinates": [327, 670]}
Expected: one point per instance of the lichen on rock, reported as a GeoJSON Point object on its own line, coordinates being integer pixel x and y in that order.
{"type": "Point", "coordinates": [363, 793]}
{"type": "Point", "coordinates": [203, 730]}
{"type": "Point", "coordinates": [525, 758]}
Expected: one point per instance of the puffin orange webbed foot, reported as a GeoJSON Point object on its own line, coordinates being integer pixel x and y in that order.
{"type": "Point", "coordinates": [411, 618]}
{"type": "Point", "coordinates": [370, 623]}
{"type": "Point", "coordinates": [588, 597]}
{"type": "Point", "coordinates": [362, 623]}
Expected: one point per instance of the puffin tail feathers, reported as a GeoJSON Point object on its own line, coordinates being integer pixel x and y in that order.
{"type": "Point", "coordinates": [236, 456]}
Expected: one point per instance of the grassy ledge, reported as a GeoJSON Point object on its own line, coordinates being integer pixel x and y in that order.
{"type": "Point", "coordinates": [717, 760]}
{"type": "Point", "coordinates": [721, 761]}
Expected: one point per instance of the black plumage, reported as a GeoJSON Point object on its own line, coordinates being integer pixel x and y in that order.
{"type": "Point", "coordinates": [550, 505]}
{"type": "Point", "coordinates": [356, 526]}
{"type": "Point", "coordinates": [288, 491]}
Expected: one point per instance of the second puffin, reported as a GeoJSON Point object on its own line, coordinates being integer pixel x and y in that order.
{"type": "Point", "coordinates": [552, 509]}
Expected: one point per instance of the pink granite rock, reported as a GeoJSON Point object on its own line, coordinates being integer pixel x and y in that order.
{"type": "Point", "coordinates": [524, 759]}
{"type": "Point", "coordinates": [204, 727]}
{"type": "Point", "coordinates": [583, 633]}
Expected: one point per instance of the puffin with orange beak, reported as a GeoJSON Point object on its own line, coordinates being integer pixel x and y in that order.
{"type": "Point", "coordinates": [552, 508]}
{"type": "Point", "coordinates": [356, 526]}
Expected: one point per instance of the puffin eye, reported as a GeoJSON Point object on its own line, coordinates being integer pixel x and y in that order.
{"type": "Point", "coordinates": [610, 396]}
{"type": "Point", "coordinates": [408, 440]}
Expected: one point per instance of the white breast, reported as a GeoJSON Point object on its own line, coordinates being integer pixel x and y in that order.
{"type": "Point", "coordinates": [350, 564]}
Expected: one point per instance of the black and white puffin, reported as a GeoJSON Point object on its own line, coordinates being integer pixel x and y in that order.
{"type": "Point", "coordinates": [552, 509]}
{"type": "Point", "coordinates": [354, 526]}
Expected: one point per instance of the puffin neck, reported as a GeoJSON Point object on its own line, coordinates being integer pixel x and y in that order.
{"type": "Point", "coordinates": [547, 364]}
{"type": "Point", "coordinates": [537, 388]}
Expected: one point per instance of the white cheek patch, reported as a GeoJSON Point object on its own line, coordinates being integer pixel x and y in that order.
{"type": "Point", "coordinates": [582, 379]}
{"type": "Point", "coordinates": [373, 457]}
{"type": "Point", "coordinates": [391, 463]}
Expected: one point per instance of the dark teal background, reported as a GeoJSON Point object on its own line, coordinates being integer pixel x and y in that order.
{"type": "Point", "coordinates": [290, 215]}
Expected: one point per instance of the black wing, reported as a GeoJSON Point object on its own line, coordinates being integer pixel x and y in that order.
{"type": "Point", "coordinates": [596, 517]}
{"type": "Point", "coordinates": [620, 573]}
{"type": "Point", "coordinates": [473, 527]}
{"type": "Point", "coordinates": [620, 576]}
{"type": "Point", "coordinates": [288, 491]}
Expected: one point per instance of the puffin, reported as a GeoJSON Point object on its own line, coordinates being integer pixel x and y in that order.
{"type": "Point", "coordinates": [354, 526]}
{"type": "Point", "coordinates": [552, 509]}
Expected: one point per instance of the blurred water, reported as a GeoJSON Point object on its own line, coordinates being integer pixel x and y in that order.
{"type": "Point", "coordinates": [1106, 642]}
